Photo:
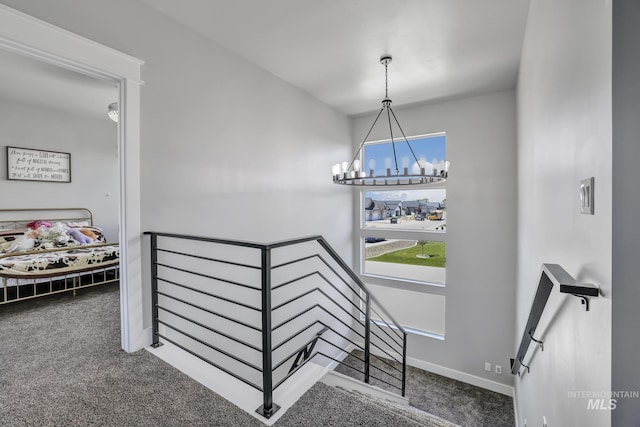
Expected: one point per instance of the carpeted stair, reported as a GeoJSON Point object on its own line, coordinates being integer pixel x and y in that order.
{"type": "Point", "coordinates": [335, 406]}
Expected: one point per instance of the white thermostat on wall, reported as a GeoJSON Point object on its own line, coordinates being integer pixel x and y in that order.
{"type": "Point", "coordinates": [586, 196]}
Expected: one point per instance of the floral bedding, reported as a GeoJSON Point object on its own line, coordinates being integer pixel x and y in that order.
{"type": "Point", "coordinates": [45, 249]}
{"type": "Point", "coordinates": [60, 262]}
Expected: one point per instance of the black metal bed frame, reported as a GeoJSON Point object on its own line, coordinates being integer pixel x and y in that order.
{"type": "Point", "coordinates": [339, 296]}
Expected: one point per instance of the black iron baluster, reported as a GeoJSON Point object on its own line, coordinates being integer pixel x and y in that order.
{"type": "Point", "coordinates": [367, 338]}
{"type": "Point", "coordinates": [404, 364]}
{"type": "Point", "coordinates": [154, 290]}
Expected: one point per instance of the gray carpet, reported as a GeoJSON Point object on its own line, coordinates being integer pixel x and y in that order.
{"type": "Point", "coordinates": [452, 400]}
{"type": "Point", "coordinates": [351, 409]}
{"type": "Point", "coordinates": [61, 365]}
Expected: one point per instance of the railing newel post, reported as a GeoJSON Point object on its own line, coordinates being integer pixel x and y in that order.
{"type": "Point", "coordinates": [268, 408]}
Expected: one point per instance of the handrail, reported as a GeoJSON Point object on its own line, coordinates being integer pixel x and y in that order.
{"type": "Point", "coordinates": [551, 274]}
{"type": "Point", "coordinates": [345, 320]}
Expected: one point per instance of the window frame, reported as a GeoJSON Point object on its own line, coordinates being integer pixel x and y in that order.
{"type": "Point", "coordinates": [361, 232]}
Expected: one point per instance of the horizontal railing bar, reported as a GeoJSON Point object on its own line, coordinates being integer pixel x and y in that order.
{"type": "Point", "coordinates": [356, 345]}
{"type": "Point", "coordinates": [204, 359]}
{"type": "Point", "coordinates": [383, 350]}
{"type": "Point", "coordinates": [255, 267]}
{"type": "Point", "coordinates": [212, 347]}
{"type": "Point", "coordinates": [297, 279]}
{"type": "Point", "coordinates": [245, 244]}
{"type": "Point", "coordinates": [328, 282]}
{"type": "Point", "coordinates": [284, 264]}
{"type": "Point", "coordinates": [208, 276]}
{"type": "Point", "coordinates": [247, 325]}
{"type": "Point", "coordinates": [324, 261]}
{"type": "Point", "coordinates": [321, 308]}
{"type": "Point", "coordinates": [323, 293]}
{"type": "Point", "coordinates": [357, 370]}
{"type": "Point", "coordinates": [295, 334]}
{"type": "Point", "coordinates": [355, 278]}
{"type": "Point", "coordinates": [326, 264]}
{"type": "Point", "coordinates": [386, 333]}
{"type": "Point", "coordinates": [362, 360]}
{"type": "Point", "coordinates": [388, 325]}
{"type": "Point", "coordinates": [208, 294]}
{"type": "Point", "coordinates": [239, 341]}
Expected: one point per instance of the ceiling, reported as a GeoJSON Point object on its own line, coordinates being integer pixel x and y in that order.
{"type": "Point", "coordinates": [33, 82]}
{"type": "Point", "coordinates": [331, 49]}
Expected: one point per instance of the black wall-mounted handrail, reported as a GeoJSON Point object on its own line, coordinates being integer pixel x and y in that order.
{"type": "Point", "coordinates": [550, 276]}
{"type": "Point", "coordinates": [326, 305]}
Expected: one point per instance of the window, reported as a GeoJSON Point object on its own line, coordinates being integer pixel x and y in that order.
{"type": "Point", "coordinates": [402, 233]}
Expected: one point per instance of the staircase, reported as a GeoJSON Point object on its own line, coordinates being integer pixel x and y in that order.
{"type": "Point", "coordinates": [354, 408]}
{"type": "Point", "coordinates": [265, 322]}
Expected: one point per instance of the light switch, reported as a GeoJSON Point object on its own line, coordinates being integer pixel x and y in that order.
{"type": "Point", "coordinates": [586, 196]}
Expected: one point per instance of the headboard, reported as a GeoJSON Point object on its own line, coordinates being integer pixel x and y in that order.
{"type": "Point", "coordinates": [17, 218]}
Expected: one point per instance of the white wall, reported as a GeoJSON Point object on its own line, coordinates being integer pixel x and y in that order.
{"type": "Point", "coordinates": [94, 161]}
{"type": "Point", "coordinates": [227, 149]}
{"type": "Point", "coordinates": [564, 136]}
{"type": "Point", "coordinates": [625, 374]}
{"type": "Point", "coordinates": [481, 227]}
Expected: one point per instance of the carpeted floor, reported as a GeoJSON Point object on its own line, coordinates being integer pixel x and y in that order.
{"type": "Point", "coordinates": [452, 400]}
{"type": "Point", "coordinates": [61, 365]}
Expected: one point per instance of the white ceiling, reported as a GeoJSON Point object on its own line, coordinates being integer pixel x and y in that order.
{"type": "Point", "coordinates": [33, 82]}
{"type": "Point", "coordinates": [331, 48]}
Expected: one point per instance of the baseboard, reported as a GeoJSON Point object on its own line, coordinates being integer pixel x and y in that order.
{"type": "Point", "coordinates": [461, 376]}
{"type": "Point", "coordinates": [453, 374]}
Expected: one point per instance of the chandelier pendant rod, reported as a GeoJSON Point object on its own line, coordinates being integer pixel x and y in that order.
{"type": "Point", "coordinates": [393, 144]}
{"type": "Point", "coordinates": [404, 136]}
{"type": "Point", "coordinates": [365, 138]}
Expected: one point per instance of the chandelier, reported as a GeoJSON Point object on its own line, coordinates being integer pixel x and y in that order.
{"type": "Point", "coordinates": [354, 174]}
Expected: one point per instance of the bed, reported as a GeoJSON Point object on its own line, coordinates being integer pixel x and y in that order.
{"type": "Point", "coordinates": [50, 251]}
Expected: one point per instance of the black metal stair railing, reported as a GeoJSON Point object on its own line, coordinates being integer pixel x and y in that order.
{"type": "Point", "coordinates": [260, 312]}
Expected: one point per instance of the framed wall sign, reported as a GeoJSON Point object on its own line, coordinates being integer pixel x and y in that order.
{"type": "Point", "coordinates": [25, 164]}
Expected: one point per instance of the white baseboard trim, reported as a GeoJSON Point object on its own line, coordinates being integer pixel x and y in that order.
{"type": "Point", "coordinates": [451, 373]}
{"type": "Point", "coordinates": [461, 376]}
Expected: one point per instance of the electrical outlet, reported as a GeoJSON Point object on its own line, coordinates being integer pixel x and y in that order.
{"type": "Point", "coordinates": [498, 369]}
{"type": "Point", "coordinates": [544, 421]}
{"type": "Point", "coordinates": [487, 366]}
{"type": "Point", "coordinates": [525, 422]}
